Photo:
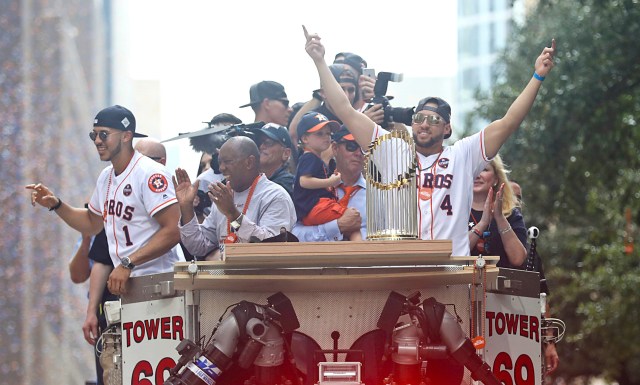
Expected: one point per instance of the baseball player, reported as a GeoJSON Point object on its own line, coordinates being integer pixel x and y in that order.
{"type": "Point", "coordinates": [446, 173]}
{"type": "Point", "coordinates": [134, 202]}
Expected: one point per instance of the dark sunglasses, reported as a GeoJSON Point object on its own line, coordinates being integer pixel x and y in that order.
{"type": "Point", "coordinates": [284, 102]}
{"type": "Point", "coordinates": [102, 135]}
{"type": "Point", "coordinates": [351, 146]}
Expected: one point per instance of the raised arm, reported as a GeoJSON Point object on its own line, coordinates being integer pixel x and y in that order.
{"type": "Point", "coordinates": [359, 124]}
{"type": "Point", "coordinates": [498, 132]}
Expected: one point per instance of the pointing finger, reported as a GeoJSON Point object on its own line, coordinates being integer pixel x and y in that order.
{"type": "Point", "coordinates": [306, 34]}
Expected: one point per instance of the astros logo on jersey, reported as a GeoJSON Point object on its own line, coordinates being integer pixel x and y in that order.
{"type": "Point", "coordinates": [158, 183]}
{"type": "Point", "coordinates": [127, 190]}
{"type": "Point", "coordinates": [443, 163]}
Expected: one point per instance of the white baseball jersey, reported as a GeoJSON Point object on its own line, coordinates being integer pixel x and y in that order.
{"type": "Point", "coordinates": [127, 202]}
{"type": "Point", "coordinates": [445, 190]}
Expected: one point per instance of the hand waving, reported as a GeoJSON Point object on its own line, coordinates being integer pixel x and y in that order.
{"type": "Point", "coordinates": [185, 191]}
{"type": "Point", "coordinates": [41, 195]}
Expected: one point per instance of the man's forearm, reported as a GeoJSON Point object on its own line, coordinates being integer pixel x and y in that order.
{"type": "Point", "coordinates": [81, 220]}
{"type": "Point", "coordinates": [499, 131]}
{"type": "Point", "coordinates": [79, 267]}
{"type": "Point", "coordinates": [159, 244]}
{"type": "Point", "coordinates": [97, 282]}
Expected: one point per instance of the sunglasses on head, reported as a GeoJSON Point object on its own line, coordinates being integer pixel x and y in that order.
{"type": "Point", "coordinates": [432, 120]}
{"type": "Point", "coordinates": [102, 135]}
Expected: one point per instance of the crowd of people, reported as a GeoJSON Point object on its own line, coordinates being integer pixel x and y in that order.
{"type": "Point", "coordinates": [299, 172]}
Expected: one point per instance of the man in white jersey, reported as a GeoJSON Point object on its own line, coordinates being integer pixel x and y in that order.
{"type": "Point", "coordinates": [248, 207]}
{"type": "Point", "coordinates": [133, 201]}
{"type": "Point", "coordinates": [446, 173]}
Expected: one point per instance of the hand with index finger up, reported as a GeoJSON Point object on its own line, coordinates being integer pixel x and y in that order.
{"type": "Point", "coordinates": [313, 46]}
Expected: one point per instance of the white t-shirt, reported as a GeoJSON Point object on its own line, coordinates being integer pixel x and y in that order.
{"type": "Point", "coordinates": [128, 202]}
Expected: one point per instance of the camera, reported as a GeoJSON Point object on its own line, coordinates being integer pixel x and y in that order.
{"type": "Point", "coordinates": [391, 114]}
{"type": "Point", "coordinates": [204, 203]}
{"type": "Point", "coordinates": [248, 130]}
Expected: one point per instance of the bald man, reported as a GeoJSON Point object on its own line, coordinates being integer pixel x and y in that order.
{"type": "Point", "coordinates": [152, 148]}
{"type": "Point", "coordinates": [247, 207]}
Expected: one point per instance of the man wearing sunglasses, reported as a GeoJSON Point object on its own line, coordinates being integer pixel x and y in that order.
{"type": "Point", "coordinates": [274, 144]}
{"type": "Point", "coordinates": [350, 163]}
{"type": "Point", "coordinates": [269, 102]}
{"type": "Point", "coordinates": [134, 202]}
{"type": "Point", "coordinates": [445, 174]}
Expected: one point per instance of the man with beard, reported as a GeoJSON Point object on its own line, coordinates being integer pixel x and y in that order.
{"type": "Point", "coordinates": [445, 173]}
{"type": "Point", "coordinates": [133, 201]}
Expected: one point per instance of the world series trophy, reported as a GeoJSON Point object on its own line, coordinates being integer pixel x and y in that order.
{"type": "Point", "coordinates": [392, 193]}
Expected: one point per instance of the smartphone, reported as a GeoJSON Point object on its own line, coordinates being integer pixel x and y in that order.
{"type": "Point", "coordinates": [370, 72]}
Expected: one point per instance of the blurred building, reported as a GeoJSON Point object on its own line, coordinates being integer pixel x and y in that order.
{"type": "Point", "coordinates": [54, 76]}
{"type": "Point", "coordinates": [483, 30]}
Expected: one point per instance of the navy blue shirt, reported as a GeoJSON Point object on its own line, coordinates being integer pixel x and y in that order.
{"type": "Point", "coordinates": [493, 243]}
{"type": "Point", "coordinates": [304, 199]}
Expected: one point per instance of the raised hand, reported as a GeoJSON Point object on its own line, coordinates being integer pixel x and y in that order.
{"type": "Point", "coordinates": [222, 196]}
{"type": "Point", "coordinates": [313, 46]}
{"type": "Point", "coordinates": [544, 62]}
{"type": "Point", "coordinates": [41, 195]}
{"type": "Point", "coordinates": [487, 211]}
{"type": "Point", "coordinates": [185, 191]}
{"type": "Point", "coordinates": [497, 205]}
{"type": "Point", "coordinates": [366, 85]}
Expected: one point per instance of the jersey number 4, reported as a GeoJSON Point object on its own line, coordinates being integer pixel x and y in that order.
{"type": "Point", "coordinates": [445, 205]}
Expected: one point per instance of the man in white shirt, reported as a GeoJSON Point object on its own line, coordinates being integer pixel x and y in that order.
{"type": "Point", "coordinates": [446, 173]}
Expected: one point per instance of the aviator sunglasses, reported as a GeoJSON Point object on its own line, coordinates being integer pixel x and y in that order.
{"type": "Point", "coordinates": [432, 120]}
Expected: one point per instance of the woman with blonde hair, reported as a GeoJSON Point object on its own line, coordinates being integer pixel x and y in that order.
{"type": "Point", "coordinates": [496, 225]}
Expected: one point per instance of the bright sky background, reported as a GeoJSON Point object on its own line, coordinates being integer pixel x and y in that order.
{"type": "Point", "coordinates": [206, 54]}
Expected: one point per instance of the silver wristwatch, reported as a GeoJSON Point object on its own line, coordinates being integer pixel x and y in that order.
{"type": "Point", "coordinates": [235, 225]}
{"type": "Point", "coordinates": [126, 263]}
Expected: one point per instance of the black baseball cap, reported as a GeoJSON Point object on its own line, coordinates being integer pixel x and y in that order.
{"type": "Point", "coordinates": [266, 89]}
{"type": "Point", "coordinates": [343, 74]}
{"type": "Point", "coordinates": [352, 59]}
{"type": "Point", "coordinates": [277, 133]}
{"type": "Point", "coordinates": [117, 117]}
{"type": "Point", "coordinates": [443, 108]}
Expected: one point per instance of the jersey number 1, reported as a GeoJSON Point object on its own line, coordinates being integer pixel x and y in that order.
{"type": "Point", "coordinates": [128, 237]}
